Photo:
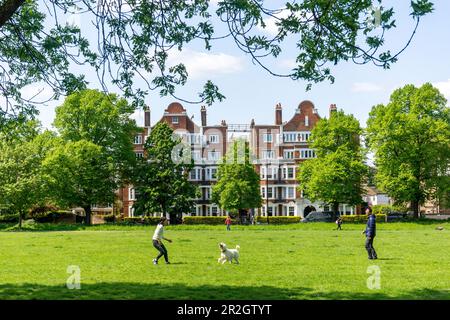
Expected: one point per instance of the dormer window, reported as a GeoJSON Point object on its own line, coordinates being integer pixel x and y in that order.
{"type": "Point", "coordinates": [175, 120]}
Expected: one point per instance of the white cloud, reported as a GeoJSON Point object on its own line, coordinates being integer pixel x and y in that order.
{"type": "Point", "coordinates": [74, 20]}
{"type": "Point", "coordinates": [270, 22]}
{"type": "Point", "coordinates": [37, 92]}
{"type": "Point", "coordinates": [201, 65]}
{"type": "Point", "coordinates": [366, 87]}
{"type": "Point", "coordinates": [444, 87]}
{"type": "Point", "coordinates": [287, 64]}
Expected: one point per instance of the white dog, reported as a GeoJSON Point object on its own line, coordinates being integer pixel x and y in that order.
{"type": "Point", "coordinates": [228, 254]}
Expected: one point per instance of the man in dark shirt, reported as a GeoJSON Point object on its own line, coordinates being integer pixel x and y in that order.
{"type": "Point", "coordinates": [370, 233]}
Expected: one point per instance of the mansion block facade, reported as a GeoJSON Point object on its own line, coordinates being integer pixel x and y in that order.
{"type": "Point", "coordinates": [278, 149]}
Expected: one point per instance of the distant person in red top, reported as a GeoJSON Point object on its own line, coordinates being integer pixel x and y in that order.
{"type": "Point", "coordinates": [228, 222]}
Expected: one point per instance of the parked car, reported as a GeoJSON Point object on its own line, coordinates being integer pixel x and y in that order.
{"type": "Point", "coordinates": [315, 216]}
{"type": "Point", "coordinates": [395, 216]}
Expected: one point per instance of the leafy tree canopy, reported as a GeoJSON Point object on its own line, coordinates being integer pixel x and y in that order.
{"type": "Point", "coordinates": [161, 181]}
{"type": "Point", "coordinates": [410, 137]}
{"type": "Point", "coordinates": [341, 130]}
{"type": "Point", "coordinates": [131, 41]}
{"type": "Point", "coordinates": [237, 187]}
{"type": "Point", "coordinates": [336, 175]}
{"type": "Point", "coordinates": [22, 183]}
{"type": "Point", "coordinates": [334, 178]}
{"type": "Point", "coordinates": [79, 174]}
{"type": "Point", "coordinates": [103, 119]}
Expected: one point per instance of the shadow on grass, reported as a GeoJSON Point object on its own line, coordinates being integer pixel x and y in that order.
{"type": "Point", "coordinates": [179, 291]}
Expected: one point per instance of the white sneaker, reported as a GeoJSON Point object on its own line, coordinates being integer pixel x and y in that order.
{"type": "Point", "coordinates": [155, 261]}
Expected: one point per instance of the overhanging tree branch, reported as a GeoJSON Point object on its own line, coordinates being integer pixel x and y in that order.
{"type": "Point", "coordinates": [8, 8]}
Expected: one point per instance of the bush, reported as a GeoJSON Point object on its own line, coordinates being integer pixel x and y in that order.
{"type": "Point", "coordinates": [51, 216]}
{"type": "Point", "coordinates": [109, 218]}
{"type": "Point", "coordinates": [402, 208]}
{"type": "Point", "coordinates": [43, 209]}
{"type": "Point", "coordinates": [217, 220]}
{"type": "Point", "coordinates": [7, 218]}
{"type": "Point", "coordinates": [362, 218]}
{"type": "Point", "coordinates": [382, 209]}
{"type": "Point", "coordinates": [278, 220]}
{"type": "Point", "coordinates": [140, 220]}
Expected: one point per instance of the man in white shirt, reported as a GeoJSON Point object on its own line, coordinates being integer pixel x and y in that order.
{"type": "Point", "coordinates": [158, 236]}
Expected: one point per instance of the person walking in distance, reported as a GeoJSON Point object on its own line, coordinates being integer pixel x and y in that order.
{"type": "Point", "coordinates": [370, 233]}
{"type": "Point", "coordinates": [228, 223]}
{"type": "Point", "coordinates": [339, 223]}
{"type": "Point", "coordinates": [158, 237]}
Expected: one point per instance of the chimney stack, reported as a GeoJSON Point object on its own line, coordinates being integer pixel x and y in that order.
{"type": "Point", "coordinates": [332, 109]}
{"type": "Point", "coordinates": [278, 114]}
{"type": "Point", "coordinates": [203, 115]}
{"type": "Point", "coordinates": [146, 117]}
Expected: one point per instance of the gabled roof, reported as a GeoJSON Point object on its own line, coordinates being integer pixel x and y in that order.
{"type": "Point", "coordinates": [373, 191]}
{"type": "Point", "coordinates": [175, 108]}
{"type": "Point", "coordinates": [297, 122]}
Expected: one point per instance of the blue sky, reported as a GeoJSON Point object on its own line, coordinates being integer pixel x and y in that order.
{"type": "Point", "coordinates": [253, 93]}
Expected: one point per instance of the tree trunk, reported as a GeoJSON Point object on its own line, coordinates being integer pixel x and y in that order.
{"type": "Point", "coordinates": [164, 211]}
{"type": "Point", "coordinates": [415, 208]}
{"type": "Point", "coordinates": [243, 216]}
{"type": "Point", "coordinates": [20, 220]}
{"type": "Point", "coordinates": [8, 8]}
{"type": "Point", "coordinates": [173, 218]}
{"type": "Point", "coordinates": [335, 211]}
{"type": "Point", "coordinates": [87, 211]}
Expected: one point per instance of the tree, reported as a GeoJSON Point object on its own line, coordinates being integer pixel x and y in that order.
{"type": "Point", "coordinates": [103, 119]}
{"type": "Point", "coordinates": [135, 37]}
{"type": "Point", "coordinates": [21, 179]}
{"type": "Point", "coordinates": [80, 174]}
{"type": "Point", "coordinates": [161, 179]}
{"type": "Point", "coordinates": [410, 137]}
{"type": "Point", "coordinates": [336, 175]}
{"type": "Point", "coordinates": [237, 187]}
{"type": "Point", "coordinates": [20, 130]}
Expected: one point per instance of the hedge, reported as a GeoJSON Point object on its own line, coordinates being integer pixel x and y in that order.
{"type": "Point", "coordinates": [278, 220]}
{"type": "Point", "coordinates": [215, 220]}
{"type": "Point", "coordinates": [112, 218]}
{"type": "Point", "coordinates": [388, 209]}
{"type": "Point", "coordinates": [382, 209]}
{"type": "Point", "coordinates": [51, 216]}
{"type": "Point", "coordinates": [362, 218]}
{"type": "Point", "coordinates": [5, 218]}
{"type": "Point", "coordinates": [140, 220]}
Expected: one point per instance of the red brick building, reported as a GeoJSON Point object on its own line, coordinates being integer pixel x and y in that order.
{"type": "Point", "coordinates": [277, 148]}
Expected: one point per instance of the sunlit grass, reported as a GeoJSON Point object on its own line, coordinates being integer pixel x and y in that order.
{"type": "Point", "coordinates": [302, 261]}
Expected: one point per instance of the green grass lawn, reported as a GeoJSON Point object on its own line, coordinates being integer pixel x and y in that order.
{"type": "Point", "coordinates": [302, 261]}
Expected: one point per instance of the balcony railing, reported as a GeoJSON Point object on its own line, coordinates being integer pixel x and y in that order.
{"type": "Point", "coordinates": [238, 128]}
